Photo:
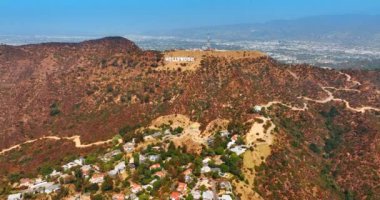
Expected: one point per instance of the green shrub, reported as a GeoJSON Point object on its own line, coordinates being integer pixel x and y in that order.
{"type": "Point", "coordinates": [313, 147]}
{"type": "Point", "coordinates": [54, 109]}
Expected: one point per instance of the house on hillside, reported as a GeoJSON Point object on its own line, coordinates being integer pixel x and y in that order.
{"type": "Point", "coordinates": [175, 196]}
{"type": "Point", "coordinates": [119, 168]}
{"type": "Point", "coordinates": [118, 197]}
{"type": "Point", "coordinates": [205, 169]}
{"type": "Point", "coordinates": [26, 182]}
{"type": "Point", "coordinates": [17, 196]}
{"type": "Point", "coordinates": [135, 188]}
{"type": "Point", "coordinates": [86, 170]}
{"type": "Point", "coordinates": [55, 173]}
{"type": "Point", "coordinates": [187, 173]}
{"type": "Point", "coordinates": [75, 163]}
{"type": "Point", "coordinates": [97, 178]}
{"type": "Point", "coordinates": [196, 194]}
{"type": "Point", "coordinates": [257, 108]}
{"type": "Point", "coordinates": [225, 133]}
{"type": "Point", "coordinates": [238, 149]}
{"type": "Point", "coordinates": [155, 166]}
{"type": "Point", "coordinates": [44, 187]}
{"type": "Point", "coordinates": [154, 158]}
{"type": "Point", "coordinates": [160, 174]}
{"type": "Point", "coordinates": [225, 185]}
{"type": "Point", "coordinates": [108, 156]}
{"type": "Point", "coordinates": [208, 195]}
{"type": "Point", "coordinates": [129, 147]}
{"type": "Point", "coordinates": [182, 187]}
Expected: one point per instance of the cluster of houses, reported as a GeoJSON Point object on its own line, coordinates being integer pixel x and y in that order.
{"type": "Point", "coordinates": [34, 186]}
{"type": "Point", "coordinates": [206, 187]}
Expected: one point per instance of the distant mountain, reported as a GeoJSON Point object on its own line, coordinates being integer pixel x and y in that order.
{"type": "Point", "coordinates": [345, 29]}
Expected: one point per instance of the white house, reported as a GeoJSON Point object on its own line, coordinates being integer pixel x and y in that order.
{"type": "Point", "coordinates": [208, 195]}
{"type": "Point", "coordinates": [129, 147]}
{"type": "Point", "coordinates": [206, 161]}
{"type": "Point", "coordinates": [119, 168]}
{"type": "Point", "coordinates": [226, 185]}
{"type": "Point", "coordinates": [225, 197]}
{"type": "Point", "coordinates": [225, 133]}
{"type": "Point", "coordinates": [205, 169]}
{"type": "Point", "coordinates": [55, 173]}
{"type": "Point", "coordinates": [17, 196]}
{"type": "Point", "coordinates": [52, 188]}
{"type": "Point", "coordinates": [196, 194]}
{"type": "Point", "coordinates": [77, 162]}
{"type": "Point", "coordinates": [239, 149]}
{"type": "Point", "coordinates": [257, 108]}
{"type": "Point", "coordinates": [153, 158]}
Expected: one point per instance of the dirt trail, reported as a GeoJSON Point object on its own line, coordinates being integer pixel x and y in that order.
{"type": "Point", "coordinates": [271, 103]}
{"type": "Point", "coordinates": [349, 78]}
{"type": "Point", "coordinates": [76, 139]}
{"type": "Point", "coordinates": [331, 97]}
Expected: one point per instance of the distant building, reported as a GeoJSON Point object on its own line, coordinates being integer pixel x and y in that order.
{"type": "Point", "coordinates": [225, 197]}
{"type": "Point", "coordinates": [86, 169]}
{"type": "Point", "coordinates": [238, 149]}
{"type": "Point", "coordinates": [17, 196]}
{"type": "Point", "coordinates": [119, 168]}
{"type": "Point", "coordinates": [196, 194]}
{"type": "Point", "coordinates": [97, 178]}
{"type": "Point", "coordinates": [129, 147]}
{"type": "Point", "coordinates": [118, 197]}
{"type": "Point", "coordinates": [205, 169]}
{"type": "Point", "coordinates": [75, 163]}
{"type": "Point", "coordinates": [175, 196]}
{"type": "Point", "coordinates": [257, 108]}
{"type": "Point", "coordinates": [155, 166]}
{"type": "Point", "coordinates": [160, 174]}
{"type": "Point", "coordinates": [182, 187]}
{"type": "Point", "coordinates": [154, 158]}
{"type": "Point", "coordinates": [208, 195]}
{"type": "Point", "coordinates": [135, 188]}
{"type": "Point", "coordinates": [26, 182]}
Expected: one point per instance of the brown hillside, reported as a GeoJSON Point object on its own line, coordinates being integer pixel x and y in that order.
{"type": "Point", "coordinates": [94, 88]}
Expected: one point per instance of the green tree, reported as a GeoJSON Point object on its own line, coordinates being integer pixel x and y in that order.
{"type": "Point", "coordinates": [313, 147]}
{"type": "Point", "coordinates": [107, 185]}
{"type": "Point", "coordinates": [92, 187]}
{"type": "Point", "coordinates": [97, 197]}
{"type": "Point", "coordinates": [54, 109]}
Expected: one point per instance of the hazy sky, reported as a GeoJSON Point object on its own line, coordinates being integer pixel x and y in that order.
{"type": "Point", "coordinates": [78, 17]}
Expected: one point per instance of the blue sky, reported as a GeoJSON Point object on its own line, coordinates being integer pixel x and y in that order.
{"type": "Point", "coordinates": [117, 17]}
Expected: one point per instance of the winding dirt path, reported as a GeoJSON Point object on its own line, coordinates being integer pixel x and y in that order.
{"type": "Point", "coordinates": [331, 97]}
{"type": "Point", "coordinates": [76, 139]}
{"type": "Point", "coordinates": [271, 103]}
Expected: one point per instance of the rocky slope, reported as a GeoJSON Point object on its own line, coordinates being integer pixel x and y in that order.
{"type": "Point", "coordinates": [327, 140]}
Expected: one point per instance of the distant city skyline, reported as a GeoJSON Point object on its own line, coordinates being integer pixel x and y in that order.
{"type": "Point", "coordinates": [119, 17]}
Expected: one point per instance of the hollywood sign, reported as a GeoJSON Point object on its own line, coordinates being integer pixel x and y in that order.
{"type": "Point", "coordinates": [179, 59]}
